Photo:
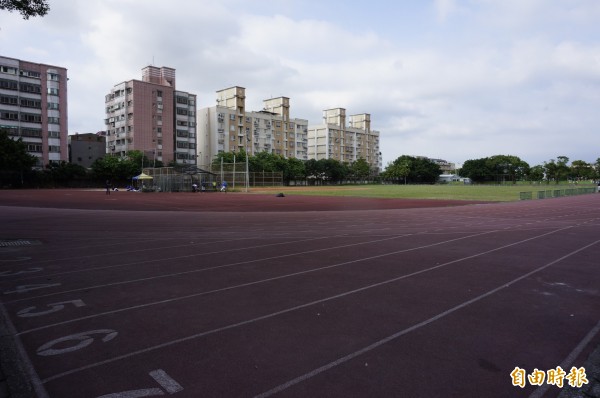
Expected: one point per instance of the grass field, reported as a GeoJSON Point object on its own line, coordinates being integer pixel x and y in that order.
{"type": "Point", "coordinates": [495, 193]}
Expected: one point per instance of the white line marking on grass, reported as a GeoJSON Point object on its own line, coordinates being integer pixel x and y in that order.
{"type": "Point", "coordinates": [305, 305]}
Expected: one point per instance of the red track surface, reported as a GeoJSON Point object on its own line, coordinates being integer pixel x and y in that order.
{"type": "Point", "coordinates": [218, 295]}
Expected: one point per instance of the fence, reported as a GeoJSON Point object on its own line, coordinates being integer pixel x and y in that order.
{"type": "Point", "coordinates": [556, 193]}
{"type": "Point", "coordinates": [169, 179]}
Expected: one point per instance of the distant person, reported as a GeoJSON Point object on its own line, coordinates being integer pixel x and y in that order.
{"type": "Point", "coordinates": [203, 186]}
{"type": "Point", "coordinates": [108, 185]}
{"type": "Point", "coordinates": [224, 186]}
{"type": "Point", "coordinates": [195, 187]}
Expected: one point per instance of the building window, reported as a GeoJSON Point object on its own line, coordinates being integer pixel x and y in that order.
{"type": "Point", "coordinates": [8, 115]}
{"type": "Point", "coordinates": [9, 84]}
{"type": "Point", "coordinates": [9, 100]}
{"type": "Point", "coordinates": [52, 105]}
{"type": "Point", "coordinates": [53, 91]}
{"type": "Point", "coordinates": [28, 73]}
{"type": "Point", "coordinates": [53, 76]}
{"type": "Point", "coordinates": [9, 70]}
{"type": "Point", "coordinates": [54, 148]}
{"type": "Point", "coordinates": [31, 118]}
{"type": "Point", "coordinates": [53, 134]}
{"type": "Point", "coordinates": [30, 88]}
{"type": "Point", "coordinates": [34, 147]}
{"type": "Point", "coordinates": [54, 120]}
{"type": "Point", "coordinates": [27, 132]}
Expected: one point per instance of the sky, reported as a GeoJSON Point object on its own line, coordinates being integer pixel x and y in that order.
{"type": "Point", "coordinates": [447, 79]}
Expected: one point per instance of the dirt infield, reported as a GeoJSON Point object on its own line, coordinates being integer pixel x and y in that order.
{"type": "Point", "coordinates": [219, 295]}
{"type": "Point", "coordinates": [209, 201]}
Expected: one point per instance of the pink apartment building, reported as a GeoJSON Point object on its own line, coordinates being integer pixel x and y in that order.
{"type": "Point", "coordinates": [33, 107]}
{"type": "Point", "coordinates": [152, 116]}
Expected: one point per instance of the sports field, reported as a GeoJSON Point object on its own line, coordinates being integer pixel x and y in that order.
{"type": "Point", "coordinates": [253, 295]}
{"type": "Point", "coordinates": [494, 193]}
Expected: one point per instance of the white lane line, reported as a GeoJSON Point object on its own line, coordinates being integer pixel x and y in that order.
{"type": "Point", "coordinates": [130, 252]}
{"type": "Point", "coordinates": [227, 287]}
{"type": "Point", "coordinates": [540, 391]}
{"type": "Point", "coordinates": [301, 306]}
{"type": "Point", "coordinates": [164, 259]}
{"type": "Point", "coordinates": [385, 340]}
{"type": "Point", "coordinates": [210, 268]}
{"type": "Point", "coordinates": [8, 331]}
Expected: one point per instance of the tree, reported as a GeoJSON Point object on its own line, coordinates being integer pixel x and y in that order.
{"type": "Point", "coordinates": [14, 160]}
{"type": "Point", "coordinates": [477, 170]}
{"type": "Point", "coordinates": [497, 168]}
{"type": "Point", "coordinates": [325, 170]}
{"type": "Point", "coordinates": [581, 170]}
{"type": "Point", "coordinates": [360, 169]}
{"type": "Point", "coordinates": [294, 170]}
{"type": "Point", "coordinates": [413, 170]}
{"type": "Point", "coordinates": [27, 8]}
{"type": "Point", "coordinates": [397, 171]}
{"type": "Point", "coordinates": [597, 169]}
{"type": "Point", "coordinates": [557, 169]}
{"type": "Point", "coordinates": [507, 168]}
{"type": "Point", "coordinates": [536, 173]}
{"type": "Point", "coordinates": [63, 173]}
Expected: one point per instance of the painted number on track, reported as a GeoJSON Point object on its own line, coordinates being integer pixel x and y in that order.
{"type": "Point", "coordinates": [82, 340]}
{"type": "Point", "coordinates": [54, 307]}
{"type": "Point", "coordinates": [161, 377]}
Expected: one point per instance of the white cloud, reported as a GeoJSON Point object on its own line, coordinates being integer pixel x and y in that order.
{"type": "Point", "coordinates": [490, 77]}
{"type": "Point", "coordinates": [444, 8]}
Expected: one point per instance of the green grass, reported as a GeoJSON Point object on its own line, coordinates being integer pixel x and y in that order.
{"type": "Point", "coordinates": [494, 193]}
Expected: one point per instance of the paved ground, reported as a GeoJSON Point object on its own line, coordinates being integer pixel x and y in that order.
{"type": "Point", "coordinates": [230, 295]}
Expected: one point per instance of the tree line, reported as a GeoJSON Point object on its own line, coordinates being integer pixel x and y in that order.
{"type": "Point", "coordinates": [322, 171]}
{"type": "Point", "coordinates": [16, 169]}
{"type": "Point", "coordinates": [509, 168]}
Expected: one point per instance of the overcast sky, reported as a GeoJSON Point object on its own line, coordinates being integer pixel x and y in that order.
{"type": "Point", "coordinates": [450, 79]}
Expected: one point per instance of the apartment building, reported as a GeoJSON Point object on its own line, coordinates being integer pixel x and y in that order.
{"type": "Point", "coordinates": [445, 166]}
{"type": "Point", "coordinates": [151, 116]}
{"type": "Point", "coordinates": [85, 149]}
{"type": "Point", "coordinates": [345, 142]}
{"type": "Point", "coordinates": [33, 107]}
{"type": "Point", "coordinates": [229, 127]}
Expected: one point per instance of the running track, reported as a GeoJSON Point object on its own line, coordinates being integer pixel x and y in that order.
{"type": "Point", "coordinates": [195, 300]}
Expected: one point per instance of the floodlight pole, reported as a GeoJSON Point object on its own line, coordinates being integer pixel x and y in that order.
{"type": "Point", "coordinates": [233, 183]}
{"type": "Point", "coordinates": [247, 176]}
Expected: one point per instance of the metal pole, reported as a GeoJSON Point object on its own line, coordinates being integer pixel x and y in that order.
{"type": "Point", "coordinates": [233, 183]}
{"type": "Point", "coordinates": [247, 175]}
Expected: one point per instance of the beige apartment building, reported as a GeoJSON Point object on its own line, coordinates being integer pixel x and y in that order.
{"type": "Point", "coordinates": [229, 127]}
{"type": "Point", "coordinates": [150, 115]}
{"type": "Point", "coordinates": [334, 139]}
{"type": "Point", "coordinates": [33, 107]}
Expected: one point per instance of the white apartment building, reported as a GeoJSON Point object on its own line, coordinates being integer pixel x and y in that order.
{"type": "Point", "coordinates": [153, 117]}
{"type": "Point", "coordinates": [333, 139]}
{"type": "Point", "coordinates": [33, 107]}
{"type": "Point", "coordinates": [228, 127]}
